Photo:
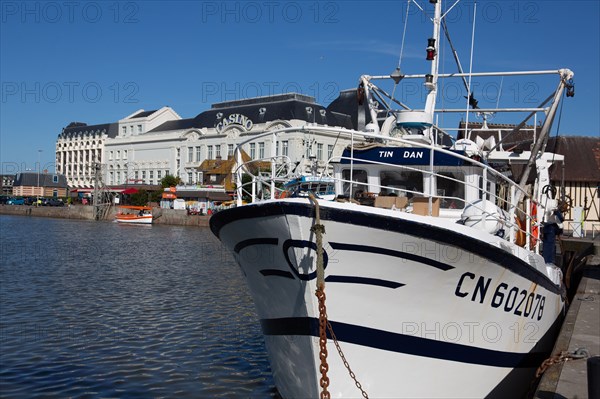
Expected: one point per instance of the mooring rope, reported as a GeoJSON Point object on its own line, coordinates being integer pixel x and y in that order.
{"type": "Point", "coordinates": [319, 230]}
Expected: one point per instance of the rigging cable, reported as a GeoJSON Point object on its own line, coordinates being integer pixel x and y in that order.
{"type": "Point", "coordinates": [469, 95]}
{"type": "Point", "coordinates": [402, 45]}
{"type": "Point", "coordinates": [404, 33]}
{"type": "Point", "coordinates": [454, 52]}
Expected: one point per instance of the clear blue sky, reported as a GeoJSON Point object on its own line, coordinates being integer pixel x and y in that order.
{"type": "Point", "coordinates": [97, 62]}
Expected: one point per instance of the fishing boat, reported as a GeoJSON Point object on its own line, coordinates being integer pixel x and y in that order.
{"type": "Point", "coordinates": [134, 214]}
{"type": "Point", "coordinates": [322, 187]}
{"type": "Point", "coordinates": [427, 275]}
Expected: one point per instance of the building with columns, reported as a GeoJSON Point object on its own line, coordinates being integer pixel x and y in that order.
{"type": "Point", "coordinates": [79, 147]}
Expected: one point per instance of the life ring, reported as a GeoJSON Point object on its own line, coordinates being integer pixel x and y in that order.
{"type": "Point", "coordinates": [521, 238]}
{"type": "Point", "coordinates": [535, 229]}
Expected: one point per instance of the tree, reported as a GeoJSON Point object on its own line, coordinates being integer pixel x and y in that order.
{"type": "Point", "coordinates": [170, 181]}
{"type": "Point", "coordinates": [139, 199]}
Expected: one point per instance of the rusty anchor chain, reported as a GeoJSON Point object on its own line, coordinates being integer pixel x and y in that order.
{"type": "Point", "coordinates": [318, 229]}
{"type": "Point", "coordinates": [561, 357]}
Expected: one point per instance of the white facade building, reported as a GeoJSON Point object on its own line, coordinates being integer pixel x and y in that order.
{"type": "Point", "coordinates": [79, 147]}
{"type": "Point", "coordinates": [179, 146]}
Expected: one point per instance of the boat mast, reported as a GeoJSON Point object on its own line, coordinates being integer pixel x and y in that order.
{"type": "Point", "coordinates": [432, 55]}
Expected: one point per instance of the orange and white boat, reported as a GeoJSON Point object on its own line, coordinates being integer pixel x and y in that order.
{"type": "Point", "coordinates": [134, 214]}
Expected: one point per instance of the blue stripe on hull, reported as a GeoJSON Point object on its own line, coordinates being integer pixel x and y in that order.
{"type": "Point", "coordinates": [412, 345]}
{"type": "Point", "coordinates": [363, 280]}
{"type": "Point", "coordinates": [390, 252]}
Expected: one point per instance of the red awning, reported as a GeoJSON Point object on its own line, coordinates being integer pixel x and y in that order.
{"type": "Point", "coordinates": [130, 190]}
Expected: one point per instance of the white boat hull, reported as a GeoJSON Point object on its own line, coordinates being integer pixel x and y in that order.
{"type": "Point", "coordinates": [145, 219]}
{"type": "Point", "coordinates": [435, 309]}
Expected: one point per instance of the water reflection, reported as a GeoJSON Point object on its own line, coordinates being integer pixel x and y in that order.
{"type": "Point", "coordinates": [99, 309]}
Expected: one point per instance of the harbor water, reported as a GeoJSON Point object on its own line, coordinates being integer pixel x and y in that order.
{"type": "Point", "coordinates": [98, 309]}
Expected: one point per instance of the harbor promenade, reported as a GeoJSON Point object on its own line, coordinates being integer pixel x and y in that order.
{"type": "Point", "coordinates": [579, 339]}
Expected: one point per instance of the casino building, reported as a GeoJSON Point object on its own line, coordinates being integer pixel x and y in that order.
{"type": "Point", "coordinates": [147, 145]}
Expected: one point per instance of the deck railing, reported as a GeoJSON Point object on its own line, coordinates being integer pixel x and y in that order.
{"type": "Point", "coordinates": [268, 184]}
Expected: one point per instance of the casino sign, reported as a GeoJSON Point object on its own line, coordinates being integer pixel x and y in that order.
{"type": "Point", "coordinates": [235, 119]}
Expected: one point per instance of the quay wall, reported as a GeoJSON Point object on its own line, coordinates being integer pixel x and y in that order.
{"type": "Point", "coordinates": [161, 216]}
{"type": "Point", "coordinates": [64, 212]}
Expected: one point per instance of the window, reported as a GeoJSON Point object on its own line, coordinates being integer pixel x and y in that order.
{"type": "Point", "coordinates": [401, 183]}
{"type": "Point", "coordinates": [111, 178]}
{"type": "Point", "coordinates": [451, 188]}
{"type": "Point", "coordinates": [110, 156]}
{"type": "Point", "coordinates": [159, 174]}
{"type": "Point", "coordinates": [151, 176]}
{"type": "Point", "coordinates": [320, 151]}
{"type": "Point", "coordinates": [54, 179]}
{"type": "Point", "coordinates": [136, 175]}
{"type": "Point", "coordinates": [166, 172]}
{"type": "Point", "coordinates": [198, 154]}
{"type": "Point", "coordinates": [178, 152]}
{"type": "Point", "coordinates": [261, 150]}
{"type": "Point", "coordinates": [229, 150]}
{"type": "Point", "coordinates": [209, 155]}
{"type": "Point", "coordinates": [218, 151]}
{"type": "Point", "coordinates": [118, 177]}
{"type": "Point", "coordinates": [190, 177]}
{"type": "Point", "coordinates": [124, 154]}
{"type": "Point", "coordinates": [139, 128]}
{"type": "Point", "coordinates": [359, 176]}
{"type": "Point", "coordinates": [118, 155]}
{"type": "Point", "coordinates": [329, 151]}
{"type": "Point", "coordinates": [284, 148]}
{"type": "Point", "coordinates": [143, 176]}
{"type": "Point", "coordinates": [190, 154]}
{"type": "Point", "coordinates": [131, 129]}
{"type": "Point", "coordinates": [252, 150]}
{"type": "Point", "coordinates": [277, 148]}
{"type": "Point", "coordinates": [124, 130]}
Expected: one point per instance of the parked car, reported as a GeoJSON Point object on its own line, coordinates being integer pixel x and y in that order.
{"type": "Point", "coordinates": [55, 202]}
{"type": "Point", "coordinates": [16, 201]}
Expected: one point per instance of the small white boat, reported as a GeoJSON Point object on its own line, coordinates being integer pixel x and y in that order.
{"type": "Point", "coordinates": [134, 214]}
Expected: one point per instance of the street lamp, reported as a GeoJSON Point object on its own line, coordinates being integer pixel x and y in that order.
{"type": "Point", "coordinates": [38, 179]}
